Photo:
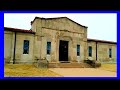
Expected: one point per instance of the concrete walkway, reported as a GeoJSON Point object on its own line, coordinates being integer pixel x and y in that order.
{"type": "Point", "coordinates": [83, 72]}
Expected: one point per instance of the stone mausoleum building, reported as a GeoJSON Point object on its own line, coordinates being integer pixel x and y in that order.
{"type": "Point", "coordinates": [56, 39]}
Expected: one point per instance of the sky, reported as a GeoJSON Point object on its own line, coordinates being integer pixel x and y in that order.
{"type": "Point", "coordinates": [102, 26]}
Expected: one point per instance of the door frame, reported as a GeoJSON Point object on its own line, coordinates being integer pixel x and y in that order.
{"type": "Point", "coordinates": [67, 51]}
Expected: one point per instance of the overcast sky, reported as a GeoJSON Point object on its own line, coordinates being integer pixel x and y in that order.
{"type": "Point", "coordinates": [101, 26]}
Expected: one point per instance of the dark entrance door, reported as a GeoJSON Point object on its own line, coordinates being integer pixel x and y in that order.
{"type": "Point", "coordinates": [63, 51]}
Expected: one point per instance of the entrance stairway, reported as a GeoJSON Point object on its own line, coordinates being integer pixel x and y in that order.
{"type": "Point", "coordinates": [69, 65]}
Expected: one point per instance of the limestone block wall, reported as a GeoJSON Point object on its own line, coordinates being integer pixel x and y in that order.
{"type": "Point", "coordinates": [54, 36]}
{"type": "Point", "coordinates": [60, 24]}
{"type": "Point", "coordinates": [20, 57]}
{"type": "Point", "coordinates": [93, 45]}
{"type": "Point", "coordinates": [8, 38]}
{"type": "Point", "coordinates": [37, 46]}
{"type": "Point", "coordinates": [103, 52]}
{"type": "Point", "coordinates": [55, 30]}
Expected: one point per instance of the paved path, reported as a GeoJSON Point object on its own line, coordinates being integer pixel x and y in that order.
{"type": "Point", "coordinates": [83, 72]}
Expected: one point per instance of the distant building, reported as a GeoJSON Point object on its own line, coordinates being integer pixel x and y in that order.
{"type": "Point", "coordinates": [56, 39]}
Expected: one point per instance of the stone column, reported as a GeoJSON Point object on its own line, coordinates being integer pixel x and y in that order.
{"type": "Point", "coordinates": [85, 50]}
{"type": "Point", "coordinates": [43, 47]}
{"type": "Point", "coordinates": [70, 51]}
{"type": "Point", "coordinates": [37, 47]}
{"type": "Point", "coordinates": [53, 50]}
{"type": "Point", "coordinates": [12, 49]}
{"type": "Point", "coordinates": [57, 46]}
{"type": "Point", "coordinates": [73, 52]}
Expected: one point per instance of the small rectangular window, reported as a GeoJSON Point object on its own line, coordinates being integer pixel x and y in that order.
{"type": "Point", "coordinates": [78, 50]}
{"type": "Point", "coordinates": [110, 53]}
{"type": "Point", "coordinates": [90, 51]}
{"type": "Point", "coordinates": [26, 47]}
{"type": "Point", "coordinates": [48, 48]}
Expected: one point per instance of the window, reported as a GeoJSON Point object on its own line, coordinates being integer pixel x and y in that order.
{"type": "Point", "coordinates": [78, 50]}
{"type": "Point", "coordinates": [110, 53]}
{"type": "Point", "coordinates": [48, 47]}
{"type": "Point", "coordinates": [26, 47]}
{"type": "Point", "coordinates": [90, 51]}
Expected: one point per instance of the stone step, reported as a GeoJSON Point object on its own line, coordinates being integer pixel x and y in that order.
{"type": "Point", "coordinates": [69, 65]}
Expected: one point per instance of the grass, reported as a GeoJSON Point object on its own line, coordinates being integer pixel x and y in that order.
{"type": "Point", "coordinates": [21, 70]}
{"type": "Point", "coordinates": [109, 67]}
{"type": "Point", "coordinates": [25, 70]}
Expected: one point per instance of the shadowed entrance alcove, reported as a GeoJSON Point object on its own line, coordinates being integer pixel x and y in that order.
{"type": "Point", "coordinates": [63, 50]}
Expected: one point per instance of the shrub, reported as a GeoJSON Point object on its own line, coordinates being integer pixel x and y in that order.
{"type": "Point", "coordinates": [42, 63]}
{"type": "Point", "coordinates": [97, 64]}
{"type": "Point", "coordinates": [93, 63]}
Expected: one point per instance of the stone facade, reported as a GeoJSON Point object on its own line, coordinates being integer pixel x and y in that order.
{"type": "Point", "coordinates": [53, 30]}
{"type": "Point", "coordinates": [9, 38]}
{"type": "Point", "coordinates": [102, 50]}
